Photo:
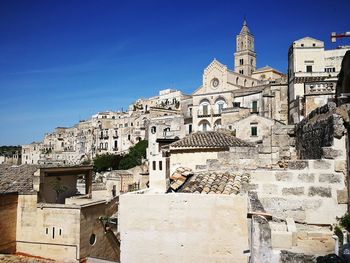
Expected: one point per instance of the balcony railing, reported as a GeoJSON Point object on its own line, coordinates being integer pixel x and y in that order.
{"type": "Point", "coordinates": [214, 113]}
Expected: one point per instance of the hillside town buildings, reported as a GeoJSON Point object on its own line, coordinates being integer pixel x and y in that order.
{"type": "Point", "coordinates": [239, 170]}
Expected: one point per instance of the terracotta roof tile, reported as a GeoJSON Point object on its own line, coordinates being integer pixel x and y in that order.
{"type": "Point", "coordinates": [17, 179]}
{"type": "Point", "coordinates": [210, 139]}
{"type": "Point", "coordinates": [216, 183]}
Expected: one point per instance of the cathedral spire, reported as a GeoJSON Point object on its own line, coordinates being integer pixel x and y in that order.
{"type": "Point", "coordinates": [245, 28]}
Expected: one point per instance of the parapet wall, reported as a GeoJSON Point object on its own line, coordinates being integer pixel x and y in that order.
{"type": "Point", "coordinates": [321, 127]}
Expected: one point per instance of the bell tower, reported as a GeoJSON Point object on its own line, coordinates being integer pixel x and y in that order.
{"type": "Point", "coordinates": [245, 56]}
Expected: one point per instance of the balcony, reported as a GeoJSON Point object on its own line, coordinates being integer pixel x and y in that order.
{"type": "Point", "coordinates": [115, 136]}
{"type": "Point", "coordinates": [203, 114]}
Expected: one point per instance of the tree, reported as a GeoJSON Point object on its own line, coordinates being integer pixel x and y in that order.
{"type": "Point", "coordinates": [135, 155]}
{"type": "Point", "coordinates": [106, 162]}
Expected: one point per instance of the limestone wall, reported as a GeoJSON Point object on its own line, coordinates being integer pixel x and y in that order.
{"type": "Point", "coordinates": [8, 215]}
{"type": "Point", "coordinates": [319, 130]}
{"type": "Point", "coordinates": [105, 246]}
{"type": "Point", "coordinates": [183, 228]}
{"type": "Point", "coordinates": [312, 191]}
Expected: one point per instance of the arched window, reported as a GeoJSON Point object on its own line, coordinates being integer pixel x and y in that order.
{"type": "Point", "coordinates": [245, 82]}
{"type": "Point", "coordinates": [106, 145]}
{"type": "Point", "coordinates": [204, 125]}
{"type": "Point", "coordinates": [237, 80]}
{"type": "Point", "coordinates": [217, 124]}
{"type": "Point", "coordinates": [204, 107]}
{"type": "Point", "coordinates": [220, 104]}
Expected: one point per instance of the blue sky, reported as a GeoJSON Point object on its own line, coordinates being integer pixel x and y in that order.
{"type": "Point", "coordinates": [62, 61]}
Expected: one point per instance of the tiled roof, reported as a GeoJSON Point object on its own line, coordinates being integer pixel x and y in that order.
{"type": "Point", "coordinates": [17, 179]}
{"type": "Point", "coordinates": [210, 139]}
{"type": "Point", "coordinates": [216, 183]}
{"type": "Point", "coordinates": [179, 177]}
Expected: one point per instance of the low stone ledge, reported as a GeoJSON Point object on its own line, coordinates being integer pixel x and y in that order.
{"type": "Point", "coordinates": [293, 191]}
{"type": "Point", "coordinates": [330, 178]}
{"type": "Point", "coordinates": [306, 177]}
{"type": "Point", "coordinates": [320, 191]}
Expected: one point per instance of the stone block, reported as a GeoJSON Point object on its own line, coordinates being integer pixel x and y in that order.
{"type": "Point", "coordinates": [340, 166]}
{"type": "Point", "coordinates": [342, 196]}
{"type": "Point", "coordinates": [270, 189]}
{"type": "Point", "coordinates": [330, 178]}
{"type": "Point", "coordinates": [297, 165]}
{"type": "Point", "coordinates": [306, 177]}
{"type": "Point", "coordinates": [291, 227]}
{"type": "Point", "coordinates": [281, 239]}
{"type": "Point", "coordinates": [321, 164]}
{"type": "Point", "coordinates": [293, 191]}
{"type": "Point", "coordinates": [201, 167]}
{"type": "Point", "coordinates": [320, 191]}
{"type": "Point", "coordinates": [330, 153]}
{"type": "Point", "coordinates": [284, 176]}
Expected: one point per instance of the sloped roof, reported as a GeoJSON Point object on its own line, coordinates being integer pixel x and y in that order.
{"type": "Point", "coordinates": [245, 28]}
{"type": "Point", "coordinates": [216, 183]}
{"type": "Point", "coordinates": [209, 139]}
{"type": "Point", "coordinates": [17, 179]}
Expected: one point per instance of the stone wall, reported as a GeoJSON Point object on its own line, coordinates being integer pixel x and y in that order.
{"type": "Point", "coordinates": [183, 228]}
{"type": "Point", "coordinates": [312, 191]}
{"type": "Point", "coordinates": [8, 215]}
{"type": "Point", "coordinates": [319, 130]}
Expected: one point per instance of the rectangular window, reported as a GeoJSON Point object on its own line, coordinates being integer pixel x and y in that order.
{"type": "Point", "coordinates": [308, 68]}
{"type": "Point", "coordinates": [205, 109]}
{"type": "Point", "coordinates": [160, 165]}
{"type": "Point", "coordinates": [190, 128]}
{"type": "Point", "coordinates": [154, 165]}
{"type": "Point", "coordinates": [254, 131]}
{"type": "Point", "coordinates": [205, 127]}
{"type": "Point", "coordinates": [254, 106]}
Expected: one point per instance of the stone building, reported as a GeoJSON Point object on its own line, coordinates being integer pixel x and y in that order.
{"type": "Point", "coordinates": [312, 75]}
{"type": "Point", "coordinates": [46, 216]}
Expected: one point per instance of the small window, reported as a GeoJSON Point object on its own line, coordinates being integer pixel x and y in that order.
{"type": "Point", "coordinates": [154, 165]}
{"type": "Point", "coordinates": [153, 129]}
{"type": "Point", "coordinates": [254, 106]}
{"type": "Point", "coordinates": [313, 44]}
{"type": "Point", "coordinates": [47, 231]}
{"type": "Point", "coordinates": [230, 127]}
{"type": "Point", "coordinates": [308, 68]}
{"type": "Point", "coordinates": [92, 239]}
{"type": "Point", "coordinates": [160, 165]}
{"type": "Point", "coordinates": [302, 45]}
{"type": "Point", "coordinates": [254, 131]}
{"type": "Point", "coordinates": [190, 128]}
{"type": "Point", "coordinates": [241, 61]}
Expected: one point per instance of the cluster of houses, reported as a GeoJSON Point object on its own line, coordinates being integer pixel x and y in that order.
{"type": "Point", "coordinates": [232, 173]}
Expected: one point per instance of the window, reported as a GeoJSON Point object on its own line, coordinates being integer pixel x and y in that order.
{"type": "Point", "coordinates": [154, 165]}
{"type": "Point", "coordinates": [153, 129]}
{"type": "Point", "coordinates": [241, 61]}
{"type": "Point", "coordinates": [92, 239]}
{"type": "Point", "coordinates": [205, 126]}
{"type": "Point", "coordinates": [308, 68]}
{"type": "Point", "coordinates": [254, 131]}
{"type": "Point", "coordinates": [190, 111]}
{"type": "Point", "coordinates": [302, 45]}
{"type": "Point", "coordinates": [106, 145]}
{"type": "Point", "coordinates": [220, 106]}
{"type": "Point", "coordinates": [205, 109]}
{"type": "Point", "coordinates": [313, 44]}
{"type": "Point", "coordinates": [241, 71]}
{"type": "Point", "coordinates": [254, 106]}
{"type": "Point", "coordinates": [190, 128]}
{"type": "Point", "coordinates": [251, 62]}
{"type": "Point", "coordinates": [160, 165]}
{"type": "Point", "coordinates": [129, 137]}
{"type": "Point", "coordinates": [230, 127]}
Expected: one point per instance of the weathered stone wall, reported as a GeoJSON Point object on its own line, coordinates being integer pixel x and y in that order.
{"type": "Point", "coordinates": [105, 246]}
{"type": "Point", "coordinates": [8, 215]}
{"type": "Point", "coordinates": [312, 191]}
{"type": "Point", "coordinates": [183, 228]}
{"type": "Point", "coordinates": [319, 130]}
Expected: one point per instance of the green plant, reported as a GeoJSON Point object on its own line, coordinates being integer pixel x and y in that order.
{"type": "Point", "coordinates": [105, 162]}
{"type": "Point", "coordinates": [135, 155]}
{"type": "Point", "coordinates": [58, 187]}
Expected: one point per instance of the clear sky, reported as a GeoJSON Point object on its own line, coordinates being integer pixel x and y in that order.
{"type": "Point", "coordinates": [62, 61]}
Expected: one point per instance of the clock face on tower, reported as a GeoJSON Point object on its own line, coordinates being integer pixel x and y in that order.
{"type": "Point", "coordinates": [214, 83]}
